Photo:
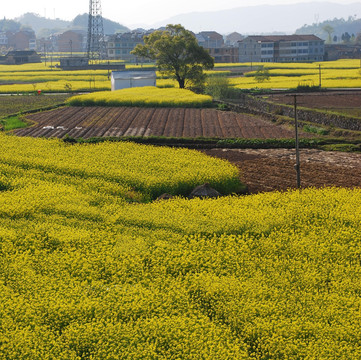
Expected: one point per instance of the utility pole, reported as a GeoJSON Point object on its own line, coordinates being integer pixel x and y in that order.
{"type": "Point", "coordinates": [319, 75]}
{"type": "Point", "coordinates": [297, 166]}
{"type": "Point", "coordinates": [45, 53]}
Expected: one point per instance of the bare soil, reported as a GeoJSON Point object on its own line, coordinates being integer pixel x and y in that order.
{"type": "Point", "coordinates": [267, 170]}
{"type": "Point", "coordinates": [169, 122]}
{"type": "Point", "coordinates": [345, 102]}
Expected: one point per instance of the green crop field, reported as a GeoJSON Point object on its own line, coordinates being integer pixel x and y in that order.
{"type": "Point", "coordinates": [90, 268]}
{"type": "Point", "coordinates": [15, 104]}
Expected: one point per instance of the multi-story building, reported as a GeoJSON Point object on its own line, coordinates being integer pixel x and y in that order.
{"type": "Point", "coordinates": [233, 38]}
{"type": "Point", "coordinates": [119, 46]}
{"type": "Point", "coordinates": [214, 43]}
{"type": "Point", "coordinates": [71, 41]}
{"type": "Point", "coordinates": [210, 39]}
{"type": "Point", "coordinates": [3, 39]}
{"type": "Point", "coordinates": [22, 40]}
{"type": "Point", "coordinates": [342, 51]}
{"type": "Point", "coordinates": [281, 48]}
{"type": "Point", "coordinates": [225, 54]}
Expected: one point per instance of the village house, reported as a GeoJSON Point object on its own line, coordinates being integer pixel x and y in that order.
{"type": "Point", "coordinates": [71, 41]}
{"type": "Point", "coordinates": [214, 43]}
{"type": "Point", "coordinates": [3, 39]}
{"type": "Point", "coordinates": [210, 39]}
{"type": "Point", "coordinates": [225, 54]}
{"type": "Point", "coordinates": [119, 46]}
{"type": "Point", "coordinates": [21, 40]}
{"type": "Point", "coordinates": [17, 57]}
{"type": "Point", "coordinates": [342, 51]}
{"type": "Point", "coordinates": [232, 39]}
{"type": "Point", "coordinates": [281, 48]}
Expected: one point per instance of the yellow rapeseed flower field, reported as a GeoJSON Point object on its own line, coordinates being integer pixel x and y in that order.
{"type": "Point", "coordinates": [144, 96]}
{"type": "Point", "coordinates": [32, 77]}
{"type": "Point", "coordinates": [88, 272]}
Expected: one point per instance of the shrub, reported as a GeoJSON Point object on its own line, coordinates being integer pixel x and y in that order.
{"type": "Point", "coordinates": [218, 87]}
{"type": "Point", "coordinates": [262, 74]}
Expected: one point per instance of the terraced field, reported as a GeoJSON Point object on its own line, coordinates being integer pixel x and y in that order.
{"type": "Point", "coordinates": [131, 121]}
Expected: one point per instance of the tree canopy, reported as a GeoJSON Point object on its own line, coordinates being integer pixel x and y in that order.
{"type": "Point", "coordinates": [176, 52]}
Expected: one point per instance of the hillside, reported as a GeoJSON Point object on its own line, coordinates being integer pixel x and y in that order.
{"type": "Point", "coordinates": [110, 27]}
{"type": "Point", "coordinates": [44, 26]}
{"type": "Point", "coordinates": [38, 23]}
{"type": "Point", "coordinates": [340, 26]}
{"type": "Point", "coordinates": [263, 18]}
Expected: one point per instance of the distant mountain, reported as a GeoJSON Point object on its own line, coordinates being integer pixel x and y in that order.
{"type": "Point", "coordinates": [339, 26]}
{"type": "Point", "coordinates": [110, 27]}
{"type": "Point", "coordinates": [38, 23]}
{"type": "Point", "coordinates": [45, 27]}
{"type": "Point", "coordinates": [263, 18]}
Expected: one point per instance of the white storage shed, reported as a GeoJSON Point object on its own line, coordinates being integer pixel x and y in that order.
{"type": "Point", "coordinates": [129, 79]}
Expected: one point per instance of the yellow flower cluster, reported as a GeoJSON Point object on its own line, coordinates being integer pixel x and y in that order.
{"type": "Point", "coordinates": [32, 77]}
{"type": "Point", "coordinates": [334, 74]}
{"type": "Point", "coordinates": [84, 274]}
{"type": "Point", "coordinates": [144, 96]}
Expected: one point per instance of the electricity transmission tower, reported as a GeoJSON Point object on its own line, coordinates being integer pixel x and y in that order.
{"type": "Point", "coordinates": [95, 42]}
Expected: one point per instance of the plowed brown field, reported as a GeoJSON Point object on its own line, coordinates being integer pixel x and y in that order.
{"type": "Point", "coordinates": [261, 170]}
{"type": "Point", "coordinates": [273, 169]}
{"type": "Point", "coordinates": [169, 122]}
{"type": "Point", "coordinates": [344, 102]}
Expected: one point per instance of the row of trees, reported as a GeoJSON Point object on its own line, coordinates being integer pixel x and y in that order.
{"type": "Point", "coordinates": [346, 38]}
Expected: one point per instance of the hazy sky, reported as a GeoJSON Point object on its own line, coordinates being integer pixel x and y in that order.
{"type": "Point", "coordinates": [130, 12]}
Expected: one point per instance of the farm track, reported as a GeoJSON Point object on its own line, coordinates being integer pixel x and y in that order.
{"type": "Point", "coordinates": [168, 122]}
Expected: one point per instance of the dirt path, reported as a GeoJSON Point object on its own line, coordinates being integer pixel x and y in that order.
{"type": "Point", "coordinates": [269, 170]}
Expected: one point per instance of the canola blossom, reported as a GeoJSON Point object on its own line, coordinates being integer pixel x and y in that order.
{"type": "Point", "coordinates": [143, 96]}
{"type": "Point", "coordinates": [28, 78]}
{"type": "Point", "coordinates": [85, 274]}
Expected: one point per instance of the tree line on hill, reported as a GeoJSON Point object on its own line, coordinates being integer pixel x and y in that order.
{"type": "Point", "coordinates": [336, 30]}
{"type": "Point", "coordinates": [44, 27]}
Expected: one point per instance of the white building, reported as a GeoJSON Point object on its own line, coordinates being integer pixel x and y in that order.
{"type": "Point", "coordinates": [3, 39]}
{"type": "Point", "coordinates": [129, 79]}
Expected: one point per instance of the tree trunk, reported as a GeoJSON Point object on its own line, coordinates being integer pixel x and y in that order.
{"type": "Point", "coordinates": [181, 83]}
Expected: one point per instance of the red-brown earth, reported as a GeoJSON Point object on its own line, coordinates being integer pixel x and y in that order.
{"type": "Point", "coordinates": [261, 170]}
{"type": "Point", "coordinates": [266, 170]}
{"type": "Point", "coordinates": [131, 121]}
{"type": "Point", "coordinates": [345, 102]}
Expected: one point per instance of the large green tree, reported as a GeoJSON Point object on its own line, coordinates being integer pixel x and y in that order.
{"type": "Point", "coordinates": [177, 53]}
